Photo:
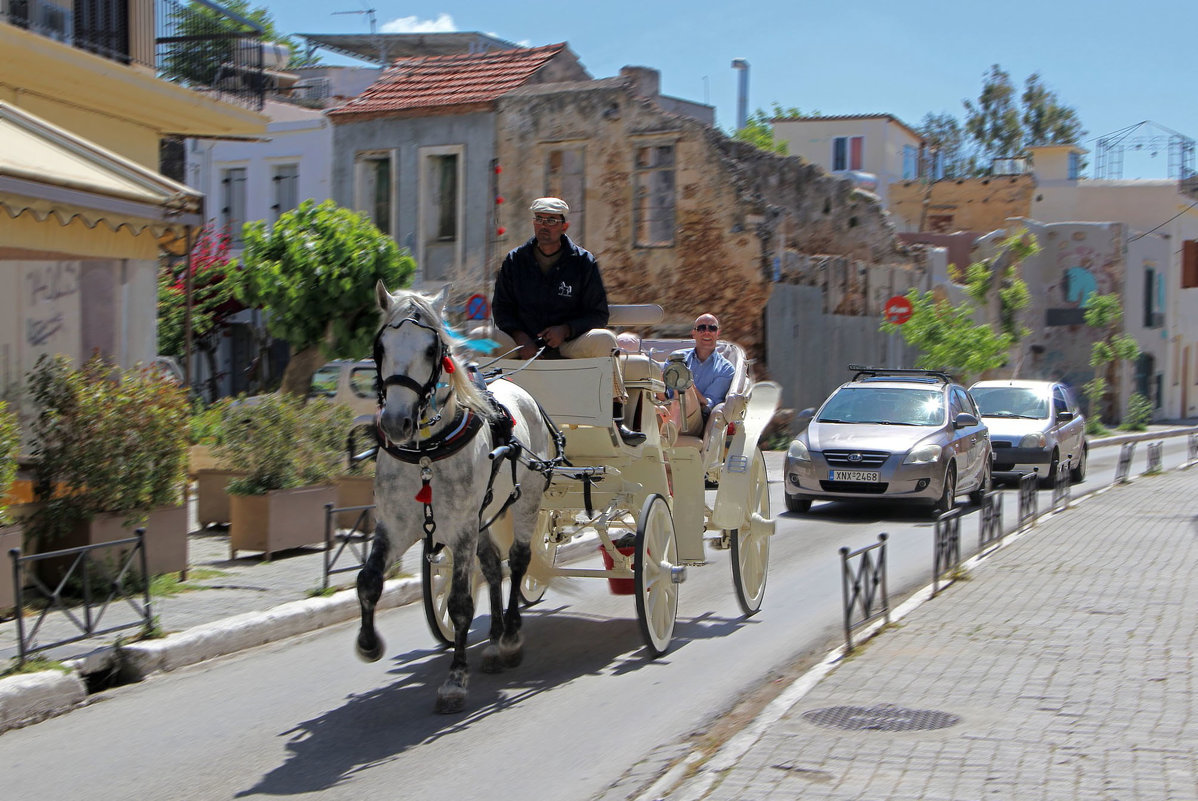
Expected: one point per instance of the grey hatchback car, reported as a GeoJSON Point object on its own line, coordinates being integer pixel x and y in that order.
{"type": "Point", "coordinates": [891, 434]}
{"type": "Point", "coordinates": [1034, 426]}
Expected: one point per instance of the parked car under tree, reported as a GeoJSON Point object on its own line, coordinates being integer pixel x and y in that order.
{"type": "Point", "coordinates": [1034, 426]}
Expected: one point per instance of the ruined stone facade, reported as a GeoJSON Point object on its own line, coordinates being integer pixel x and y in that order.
{"type": "Point", "coordinates": [677, 213]}
{"type": "Point", "coordinates": [966, 204]}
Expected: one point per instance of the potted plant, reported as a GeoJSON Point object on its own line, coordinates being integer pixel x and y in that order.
{"type": "Point", "coordinates": [109, 449]}
{"type": "Point", "coordinates": [289, 452]}
{"type": "Point", "coordinates": [355, 485]}
{"type": "Point", "coordinates": [10, 533]}
{"type": "Point", "coordinates": [210, 474]}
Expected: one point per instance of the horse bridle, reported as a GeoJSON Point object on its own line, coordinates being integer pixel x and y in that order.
{"type": "Point", "coordinates": [424, 392]}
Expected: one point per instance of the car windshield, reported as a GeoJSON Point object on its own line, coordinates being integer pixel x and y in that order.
{"type": "Point", "coordinates": [884, 406]}
{"type": "Point", "coordinates": [324, 382]}
{"type": "Point", "coordinates": [1019, 402]}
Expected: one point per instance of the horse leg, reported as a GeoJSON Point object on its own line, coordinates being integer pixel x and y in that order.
{"type": "Point", "coordinates": [451, 695]}
{"type": "Point", "coordinates": [370, 589]}
{"type": "Point", "coordinates": [488, 559]}
{"type": "Point", "coordinates": [511, 647]}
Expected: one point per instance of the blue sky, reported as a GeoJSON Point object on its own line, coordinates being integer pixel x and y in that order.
{"type": "Point", "coordinates": [1116, 63]}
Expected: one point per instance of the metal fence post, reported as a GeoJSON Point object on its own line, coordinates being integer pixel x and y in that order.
{"type": "Point", "coordinates": [1124, 465]}
{"type": "Point", "coordinates": [990, 529]}
{"type": "Point", "coordinates": [1027, 499]}
{"type": "Point", "coordinates": [946, 548]}
{"type": "Point", "coordinates": [859, 588]}
{"type": "Point", "coordinates": [1155, 460]}
{"type": "Point", "coordinates": [1192, 449]}
{"type": "Point", "coordinates": [1061, 485]}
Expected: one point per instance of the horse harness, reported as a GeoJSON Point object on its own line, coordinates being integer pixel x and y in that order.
{"type": "Point", "coordinates": [459, 433]}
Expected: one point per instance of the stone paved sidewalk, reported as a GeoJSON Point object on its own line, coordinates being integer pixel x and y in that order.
{"type": "Point", "coordinates": [1067, 658]}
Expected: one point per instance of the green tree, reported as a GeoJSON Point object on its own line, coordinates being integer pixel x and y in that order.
{"type": "Point", "coordinates": [993, 122]}
{"type": "Point", "coordinates": [212, 302]}
{"type": "Point", "coordinates": [314, 271]}
{"type": "Point", "coordinates": [1105, 313]}
{"type": "Point", "coordinates": [1001, 124]}
{"type": "Point", "coordinates": [759, 132]}
{"type": "Point", "coordinates": [944, 138]}
{"type": "Point", "coordinates": [198, 58]}
{"type": "Point", "coordinates": [959, 338]}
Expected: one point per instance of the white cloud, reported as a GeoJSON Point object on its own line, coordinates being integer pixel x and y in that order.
{"type": "Point", "coordinates": [442, 24]}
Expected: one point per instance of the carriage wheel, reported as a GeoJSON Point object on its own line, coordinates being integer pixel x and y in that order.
{"type": "Point", "coordinates": [751, 543]}
{"type": "Point", "coordinates": [544, 552]}
{"type": "Point", "coordinates": [656, 556]}
{"type": "Point", "coordinates": [438, 577]}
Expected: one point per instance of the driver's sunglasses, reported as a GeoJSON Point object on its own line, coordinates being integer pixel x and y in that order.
{"type": "Point", "coordinates": [706, 327]}
{"type": "Point", "coordinates": [547, 220]}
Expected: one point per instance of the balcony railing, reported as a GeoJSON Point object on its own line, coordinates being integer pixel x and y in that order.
{"type": "Point", "coordinates": [197, 43]}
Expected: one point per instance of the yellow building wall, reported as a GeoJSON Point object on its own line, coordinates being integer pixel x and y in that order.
{"type": "Point", "coordinates": [974, 204]}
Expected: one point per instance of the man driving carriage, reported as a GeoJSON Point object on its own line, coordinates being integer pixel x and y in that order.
{"type": "Point", "coordinates": [549, 291]}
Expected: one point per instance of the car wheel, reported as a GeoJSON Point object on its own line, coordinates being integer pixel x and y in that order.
{"type": "Point", "coordinates": [948, 497]}
{"type": "Point", "coordinates": [978, 494]}
{"type": "Point", "coordinates": [1078, 474]}
{"type": "Point", "coordinates": [797, 505]}
{"type": "Point", "coordinates": [1050, 478]}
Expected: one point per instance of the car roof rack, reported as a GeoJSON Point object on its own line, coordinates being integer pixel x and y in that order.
{"type": "Point", "coordinates": [861, 371]}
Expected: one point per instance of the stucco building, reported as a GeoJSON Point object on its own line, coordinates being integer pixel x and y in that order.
{"type": "Point", "coordinates": [84, 213]}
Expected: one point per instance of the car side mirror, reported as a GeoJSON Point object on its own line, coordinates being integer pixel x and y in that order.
{"type": "Point", "coordinates": [964, 420]}
{"type": "Point", "coordinates": [1064, 416]}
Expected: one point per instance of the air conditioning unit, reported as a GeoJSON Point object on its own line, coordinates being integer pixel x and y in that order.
{"type": "Point", "coordinates": [312, 89]}
{"type": "Point", "coordinates": [53, 20]}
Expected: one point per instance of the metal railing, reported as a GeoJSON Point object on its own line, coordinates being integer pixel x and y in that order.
{"type": "Point", "coordinates": [1062, 486]}
{"type": "Point", "coordinates": [946, 550]}
{"type": "Point", "coordinates": [197, 43]}
{"type": "Point", "coordinates": [863, 585]}
{"type": "Point", "coordinates": [1155, 459]}
{"type": "Point", "coordinates": [1191, 449]}
{"type": "Point", "coordinates": [84, 592]}
{"type": "Point", "coordinates": [352, 543]}
{"type": "Point", "coordinates": [1123, 466]}
{"type": "Point", "coordinates": [990, 529]}
{"type": "Point", "coordinates": [1027, 499]}
{"type": "Point", "coordinates": [205, 46]}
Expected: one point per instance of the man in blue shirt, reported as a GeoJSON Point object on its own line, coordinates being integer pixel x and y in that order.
{"type": "Point", "coordinates": [712, 373]}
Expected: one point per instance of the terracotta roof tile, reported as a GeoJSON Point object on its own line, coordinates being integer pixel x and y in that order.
{"type": "Point", "coordinates": [441, 81]}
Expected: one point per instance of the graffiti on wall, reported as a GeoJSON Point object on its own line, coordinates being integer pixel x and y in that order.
{"type": "Point", "coordinates": [49, 297]}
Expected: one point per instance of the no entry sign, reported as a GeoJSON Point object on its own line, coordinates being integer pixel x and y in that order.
{"type": "Point", "coordinates": [898, 310]}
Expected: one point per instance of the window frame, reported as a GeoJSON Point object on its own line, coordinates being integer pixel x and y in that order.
{"type": "Point", "coordinates": [643, 221]}
{"type": "Point", "coordinates": [559, 183]}
{"type": "Point", "coordinates": [234, 196]}
{"type": "Point", "coordinates": [366, 192]}
{"type": "Point", "coordinates": [280, 178]}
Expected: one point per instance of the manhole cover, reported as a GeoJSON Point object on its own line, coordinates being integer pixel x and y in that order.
{"type": "Point", "coordinates": [883, 717]}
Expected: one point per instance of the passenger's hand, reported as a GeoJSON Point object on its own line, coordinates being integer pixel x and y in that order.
{"type": "Point", "coordinates": [555, 335]}
{"type": "Point", "coordinates": [527, 351]}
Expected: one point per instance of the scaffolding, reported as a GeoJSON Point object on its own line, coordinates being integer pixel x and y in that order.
{"type": "Point", "coordinates": [1144, 136]}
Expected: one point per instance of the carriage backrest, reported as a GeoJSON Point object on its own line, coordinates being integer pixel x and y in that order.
{"type": "Point", "coordinates": [571, 391]}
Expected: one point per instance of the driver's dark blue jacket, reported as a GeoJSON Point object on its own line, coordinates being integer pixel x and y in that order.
{"type": "Point", "coordinates": [530, 301]}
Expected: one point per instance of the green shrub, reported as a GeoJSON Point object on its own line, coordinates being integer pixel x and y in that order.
{"type": "Point", "coordinates": [104, 441]}
{"type": "Point", "coordinates": [280, 442]}
{"type": "Point", "coordinates": [206, 424]}
{"type": "Point", "coordinates": [10, 446]}
{"type": "Point", "coordinates": [1139, 412]}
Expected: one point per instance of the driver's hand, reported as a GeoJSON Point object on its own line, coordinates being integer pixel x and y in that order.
{"type": "Point", "coordinates": [527, 351]}
{"type": "Point", "coordinates": [555, 335]}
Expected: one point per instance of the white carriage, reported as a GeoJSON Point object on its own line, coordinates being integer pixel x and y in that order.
{"type": "Point", "coordinates": [648, 504]}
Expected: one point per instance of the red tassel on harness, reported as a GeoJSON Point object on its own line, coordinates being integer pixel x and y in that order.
{"type": "Point", "coordinates": [426, 494]}
{"type": "Point", "coordinates": [447, 363]}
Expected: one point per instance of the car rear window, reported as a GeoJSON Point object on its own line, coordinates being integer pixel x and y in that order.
{"type": "Point", "coordinates": [908, 407]}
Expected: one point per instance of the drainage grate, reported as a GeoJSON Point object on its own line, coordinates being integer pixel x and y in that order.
{"type": "Point", "coordinates": [883, 717]}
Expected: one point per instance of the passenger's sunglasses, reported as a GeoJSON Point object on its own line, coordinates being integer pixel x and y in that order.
{"type": "Point", "coordinates": [547, 220]}
{"type": "Point", "coordinates": [706, 327]}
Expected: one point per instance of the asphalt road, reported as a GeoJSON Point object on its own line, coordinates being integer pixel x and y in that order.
{"type": "Point", "coordinates": [585, 711]}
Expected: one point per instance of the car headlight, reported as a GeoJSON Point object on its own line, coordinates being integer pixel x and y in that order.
{"type": "Point", "coordinates": [1035, 440]}
{"type": "Point", "coordinates": [923, 454]}
{"type": "Point", "coordinates": [798, 451]}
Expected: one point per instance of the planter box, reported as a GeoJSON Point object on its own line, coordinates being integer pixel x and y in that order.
{"type": "Point", "coordinates": [166, 541]}
{"type": "Point", "coordinates": [355, 491]}
{"type": "Point", "coordinates": [212, 496]}
{"type": "Point", "coordinates": [199, 457]}
{"type": "Point", "coordinates": [10, 537]}
{"type": "Point", "coordinates": [279, 520]}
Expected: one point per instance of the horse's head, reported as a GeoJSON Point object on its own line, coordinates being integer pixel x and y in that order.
{"type": "Point", "coordinates": [411, 354]}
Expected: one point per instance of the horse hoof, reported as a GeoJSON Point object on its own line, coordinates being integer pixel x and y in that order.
{"type": "Point", "coordinates": [370, 654]}
{"type": "Point", "coordinates": [492, 661]}
{"type": "Point", "coordinates": [450, 703]}
{"type": "Point", "coordinates": [513, 659]}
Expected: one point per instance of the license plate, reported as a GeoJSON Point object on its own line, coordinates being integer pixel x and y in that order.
{"type": "Point", "coordinates": [854, 475]}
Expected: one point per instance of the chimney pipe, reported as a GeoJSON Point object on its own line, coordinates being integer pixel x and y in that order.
{"type": "Point", "coordinates": [742, 92]}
